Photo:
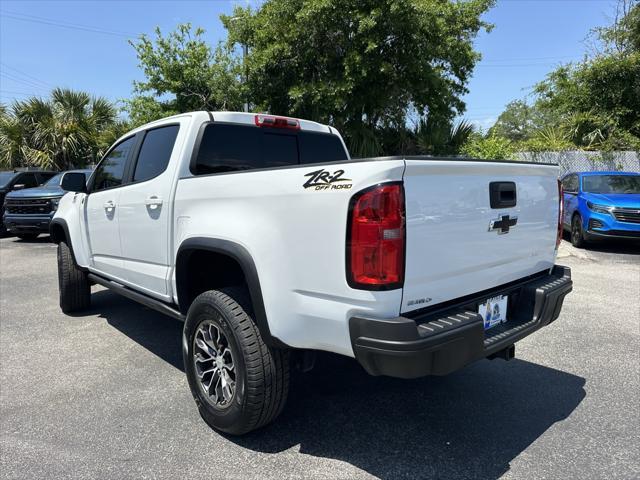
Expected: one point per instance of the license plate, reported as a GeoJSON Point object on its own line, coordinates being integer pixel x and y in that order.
{"type": "Point", "coordinates": [494, 311]}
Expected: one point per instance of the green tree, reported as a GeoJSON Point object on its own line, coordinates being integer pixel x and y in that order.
{"type": "Point", "coordinates": [441, 137]}
{"type": "Point", "coordinates": [361, 65]}
{"type": "Point", "coordinates": [183, 73]}
{"type": "Point", "coordinates": [593, 104]}
{"type": "Point", "coordinates": [604, 92]}
{"type": "Point", "coordinates": [623, 35]}
{"type": "Point", "coordinates": [12, 134]}
{"type": "Point", "coordinates": [490, 147]}
{"type": "Point", "coordinates": [519, 121]}
{"type": "Point", "coordinates": [60, 132]}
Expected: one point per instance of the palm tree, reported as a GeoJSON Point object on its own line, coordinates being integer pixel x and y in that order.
{"type": "Point", "coordinates": [440, 137]}
{"type": "Point", "coordinates": [11, 139]}
{"type": "Point", "coordinates": [60, 132]}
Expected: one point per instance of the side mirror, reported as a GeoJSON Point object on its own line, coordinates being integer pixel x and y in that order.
{"type": "Point", "coordinates": [74, 182]}
{"type": "Point", "coordinates": [18, 186]}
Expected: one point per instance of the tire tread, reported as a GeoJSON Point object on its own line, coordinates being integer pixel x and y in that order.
{"type": "Point", "coordinates": [267, 369]}
{"type": "Point", "coordinates": [75, 289]}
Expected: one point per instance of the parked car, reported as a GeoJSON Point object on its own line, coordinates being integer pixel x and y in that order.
{"type": "Point", "coordinates": [28, 212]}
{"type": "Point", "coordinates": [601, 205]}
{"type": "Point", "coordinates": [17, 180]}
{"type": "Point", "coordinates": [269, 241]}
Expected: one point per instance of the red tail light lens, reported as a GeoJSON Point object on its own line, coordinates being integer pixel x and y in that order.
{"type": "Point", "coordinates": [277, 122]}
{"type": "Point", "coordinates": [376, 238]}
{"type": "Point", "coordinates": [560, 213]}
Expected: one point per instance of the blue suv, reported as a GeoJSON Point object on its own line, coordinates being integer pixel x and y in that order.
{"type": "Point", "coordinates": [601, 204]}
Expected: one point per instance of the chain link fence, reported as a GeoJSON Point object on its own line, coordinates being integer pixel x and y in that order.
{"type": "Point", "coordinates": [579, 161]}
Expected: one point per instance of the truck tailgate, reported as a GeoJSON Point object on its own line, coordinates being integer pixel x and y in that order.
{"type": "Point", "coordinates": [451, 249]}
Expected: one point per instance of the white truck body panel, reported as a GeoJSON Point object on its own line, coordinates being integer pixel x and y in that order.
{"type": "Point", "coordinates": [450, 250]}
{"type": "Point", "coordinates": [146, 223]}
{"type": "Point", "coordinates": [296, 236]}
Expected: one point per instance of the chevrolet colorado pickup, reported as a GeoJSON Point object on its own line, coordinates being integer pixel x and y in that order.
{"type": "Point", "coordinates": [269, 241]}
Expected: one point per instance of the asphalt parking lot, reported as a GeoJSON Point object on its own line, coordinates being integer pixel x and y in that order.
{"type": "Point", "coordinates": [103, 394]}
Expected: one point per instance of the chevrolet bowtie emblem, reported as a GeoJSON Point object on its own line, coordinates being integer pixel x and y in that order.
{"type": "Point", "coordinates": [503, 224]}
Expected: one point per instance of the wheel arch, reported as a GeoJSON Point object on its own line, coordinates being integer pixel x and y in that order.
{"type": "Point", "coordinates": [227, 251]}
{"type": "Point", "coordinates": [59, 232]}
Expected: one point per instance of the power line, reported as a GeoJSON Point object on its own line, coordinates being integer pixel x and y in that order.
{"type": "Point", "coordinates": [21, 81]}
{"type": "Point", "coordinates": [24, 94]}
{"type": "Point", "coordinates": [26, 75]}
{"type": "Point", "coordinates": [57, 23]}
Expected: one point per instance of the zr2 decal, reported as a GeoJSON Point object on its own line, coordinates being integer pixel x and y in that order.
{"type": "Point", "coordinates": [325, 180]}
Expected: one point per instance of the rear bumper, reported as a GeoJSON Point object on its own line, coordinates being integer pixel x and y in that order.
{"type": "Point", "coordinates": [442, 341]}
{"type": "Point", "coordinates": [27, 223]}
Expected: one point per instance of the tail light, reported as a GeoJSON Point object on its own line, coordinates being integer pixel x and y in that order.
{"type": "Point", "coordinates": [376, 238]}
{"type": "Point", "coordinates": [277, 122]}
{"type": "Point", "coordinates": [560, 213]}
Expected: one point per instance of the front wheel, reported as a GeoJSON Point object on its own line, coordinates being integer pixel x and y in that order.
{"type": "Point", "coordinates": [75, 289]}
{"type": "Point", "coordinates": [238, 382]}
{"type": "Point", "coordinates": [577, 234]}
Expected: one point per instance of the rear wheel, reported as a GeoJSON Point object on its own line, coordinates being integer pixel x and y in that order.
{"type": "Point", "coordinates": [27, 236]}
{"type": "Point", "coordinates": [75, 290]}
{"type": "Point", "coordinates": [577, 233]}
{"type": "Point", "coordinates": [238, 382]}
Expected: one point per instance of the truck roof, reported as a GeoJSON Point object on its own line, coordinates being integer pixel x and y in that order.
{"type": "Point", "coordinates": [236, 117]}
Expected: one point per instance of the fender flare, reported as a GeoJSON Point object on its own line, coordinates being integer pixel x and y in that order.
{"type": "Point", "coordinates": [62, 223]}
{"type": "Point", "coordinates": [238, 253]}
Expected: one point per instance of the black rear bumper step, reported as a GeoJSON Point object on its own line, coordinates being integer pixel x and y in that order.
{"type": "Point", "coordinates": [444, 341]}
{"type": "Point", "coordinates": [138, 297]}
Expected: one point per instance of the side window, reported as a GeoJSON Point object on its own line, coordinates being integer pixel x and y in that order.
{"type": "Point", "coordinates": [155, 152]}
{"type": "Point", "coordinates": [573, 183]}
{"type": "Point", "coordinates": [29, 180]}
{"type": "Point", "coordinates": [570, 183]}
{"type": "Point", "coordinates": [43, 177]}
{"type": "Point", "coordinates": [111, 169]}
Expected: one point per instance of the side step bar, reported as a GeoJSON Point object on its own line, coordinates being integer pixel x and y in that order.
{"type": "Point", "coordinates": [138, 297]}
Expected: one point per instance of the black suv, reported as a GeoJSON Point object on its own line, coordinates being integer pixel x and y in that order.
{"type": "Point", "coordinates": [17, 180]}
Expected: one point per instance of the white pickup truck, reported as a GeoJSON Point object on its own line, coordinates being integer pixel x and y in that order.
{"type": "Point", "coordinates": [269, 241]}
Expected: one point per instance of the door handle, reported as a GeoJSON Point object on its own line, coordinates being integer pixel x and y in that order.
{"type": "Point", "coordinates": [109, 205]}
{"type": "Point", "coordinates": [153, 202]}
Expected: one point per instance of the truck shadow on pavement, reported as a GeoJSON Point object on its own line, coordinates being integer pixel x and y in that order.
{"type": "Point", "coordinates": [470, 424]}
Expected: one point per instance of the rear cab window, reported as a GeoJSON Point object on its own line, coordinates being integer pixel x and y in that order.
{"type": "Point", "coordinates": [232, 147]}
{"type": "Point", "coordinates": [155, 152]}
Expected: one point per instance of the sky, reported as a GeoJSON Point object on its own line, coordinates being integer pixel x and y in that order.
{"type": "Point", "coordinates": [83, 44]}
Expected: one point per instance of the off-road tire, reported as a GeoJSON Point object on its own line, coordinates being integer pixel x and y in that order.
{"type": "Point", "coordinates": [262, 372]}
{"type": "Point", "coordinates": [75, 290]}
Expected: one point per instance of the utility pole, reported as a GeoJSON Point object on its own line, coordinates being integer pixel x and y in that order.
{"type": "Point", "coordinates": [245, 53]}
